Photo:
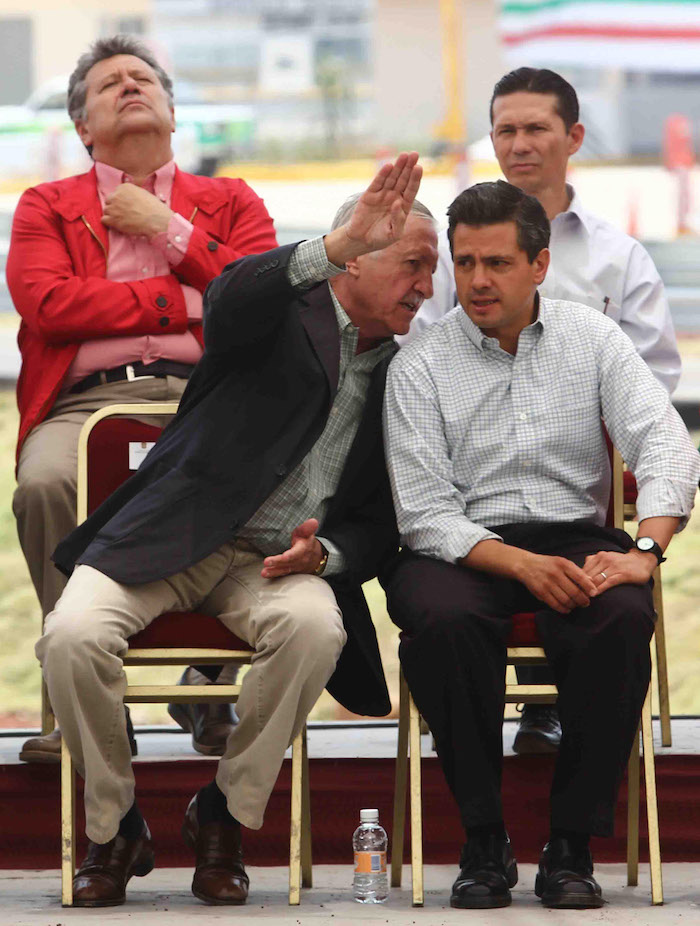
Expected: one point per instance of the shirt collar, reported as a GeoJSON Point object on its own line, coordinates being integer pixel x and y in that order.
{"type": "Point", "coordinates": [576, 209]}
{"type": "Point", "coordinates": [480, 340]}
{"type": "Point", "coordinates": [345, 325]}
{"type": "Point", "coordinates": [160, 181]}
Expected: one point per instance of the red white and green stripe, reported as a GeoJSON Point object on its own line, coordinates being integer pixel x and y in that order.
{"type": "Point", "coordinates": [649, 35]}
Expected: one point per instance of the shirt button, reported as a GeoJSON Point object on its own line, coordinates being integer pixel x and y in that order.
{"type": "Point", "coordinates": [522, 416]}
{"type": "Point", "coordinates": [144, 270]}
{"type": "Point", "coordinates": [178, 238]}
{"type": "Point", "coordinates": [161, 197]}
{"type": "Point", "coordinates": [212, 245]}
{"type": "Point", "coordinates": [164, 321]}
{"type": "Point", "coordinates": [161, 302]}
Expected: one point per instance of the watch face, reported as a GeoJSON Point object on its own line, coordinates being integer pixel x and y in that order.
{"type": "Point", "coordinates": [644, 543]}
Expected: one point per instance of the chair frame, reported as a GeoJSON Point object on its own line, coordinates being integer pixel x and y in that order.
{"type": "Point", "coordinates": [300, 860]}
{"type": "Point", "coordinates": [409, 743]}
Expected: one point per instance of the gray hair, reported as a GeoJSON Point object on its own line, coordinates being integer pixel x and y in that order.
{"type": "Point", "coordinates": [346, 210]}
{"type": "Point", "coordinates": [99, 51]}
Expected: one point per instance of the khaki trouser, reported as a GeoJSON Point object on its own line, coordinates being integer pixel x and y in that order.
{"type": "Point", "coordinates": [44, 500]}
{"type": "Point", "coordinates": [293, 623]}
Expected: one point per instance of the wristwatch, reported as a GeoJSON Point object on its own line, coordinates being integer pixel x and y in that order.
{"type": "Point", "coordinates": [324, 559]}
{"type": "Point", "coordinates": [649, 545]}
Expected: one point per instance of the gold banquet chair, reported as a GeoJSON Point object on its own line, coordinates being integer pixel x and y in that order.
{"type": "Point", "coordinates": [629, 487]}
{"type": "Point", "coordinates": [174, 639]}
{"type": "Point", "coordinates": [525, 649]}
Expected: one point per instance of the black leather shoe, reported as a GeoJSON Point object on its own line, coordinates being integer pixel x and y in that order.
{"type": "Point", "coordinates": [539, 730]}
{"type": "Point", "coordinates": [565, 877]}
{"type": "Point", "coordinates": [209, 724]}
{"type": "Point", "coordinates": [102, 878]}
{"type": "Point", "coordinates": [487, 872]}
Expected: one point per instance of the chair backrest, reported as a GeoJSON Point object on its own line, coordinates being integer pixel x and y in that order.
{"type": "Point", "coordinates": [108, 451]}
{"type": "Point", "coordinates": [110, 446]}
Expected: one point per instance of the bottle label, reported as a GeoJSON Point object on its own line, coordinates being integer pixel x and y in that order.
{"type": "Point", "coordinates": [370, 863]}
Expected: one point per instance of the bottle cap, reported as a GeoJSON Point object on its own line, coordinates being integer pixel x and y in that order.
{"type": "Point", "coordinates": [369, 816]}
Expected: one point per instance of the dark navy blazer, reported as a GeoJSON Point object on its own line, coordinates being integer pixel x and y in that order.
{"type": "Point", "coordinates": [254, 406]}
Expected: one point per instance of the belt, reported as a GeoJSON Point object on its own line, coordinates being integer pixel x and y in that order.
{"type": "Point", "coordinates": [132, 371]}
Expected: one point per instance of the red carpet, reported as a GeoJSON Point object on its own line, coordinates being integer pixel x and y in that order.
{"type": "Point", "coordinates": [29, 797]}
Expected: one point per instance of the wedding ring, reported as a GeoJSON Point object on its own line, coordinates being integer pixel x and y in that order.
{"type": "Point", "coordinates": [603, 575]}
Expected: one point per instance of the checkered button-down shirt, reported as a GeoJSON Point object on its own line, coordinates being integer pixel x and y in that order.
{"type": "Point", "coordinates": [477, 437]}
{"type": "Point", "coordinates": [308, 489]}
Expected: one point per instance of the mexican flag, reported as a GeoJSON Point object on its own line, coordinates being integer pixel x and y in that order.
{"type": "Point", "coordinates": [644, 35]}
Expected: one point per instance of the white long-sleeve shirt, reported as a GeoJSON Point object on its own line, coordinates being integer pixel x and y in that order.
{"type": "Point", "coordinates": [476, 437]}
{"type": "Point", "coordinates": [595, 264]}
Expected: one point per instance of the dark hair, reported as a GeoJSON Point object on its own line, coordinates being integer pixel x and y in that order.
{"type": "Point", "coordinates": [491, 203]}
{"type": "Point", "coordinates": [99, 51]}
{"type": "Point", "coordinates": [540, 80]}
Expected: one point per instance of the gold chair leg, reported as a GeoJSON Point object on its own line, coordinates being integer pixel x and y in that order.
{"type": "Point", "coordinates": [398, 828]}
{"type": "Point", "coordinates": [657, 892]}
{"type": "Point", "coordinates": [416, 807]}
{"type": "Point", "coordinates": [662, 662]}
{"type": "Point", "coordinates": [48, 721]}
{"type": "Point", "coordinates": [306, 864]}
{"type": "Point", "coordinates": [295, 824]}
{"type": "Point", "coordinates": [633, 814]}
{"type": "Point", "coordinates": [67, 826]}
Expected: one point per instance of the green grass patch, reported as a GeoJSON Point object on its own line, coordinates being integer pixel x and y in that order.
{"type": "Point", "coordinates": [20, 617]}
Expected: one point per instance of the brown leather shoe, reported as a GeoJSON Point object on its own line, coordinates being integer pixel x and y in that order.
{"type": "Point", "coordinates": [219, 876]}
{"type": "Point", "coordinates": [101, 879]}
{"type": "Point", "coordinates": [209, 724]}
{"type": "Point", "coordinates": [47, 748]}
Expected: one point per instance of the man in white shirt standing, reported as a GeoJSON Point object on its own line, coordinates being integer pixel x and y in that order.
{"type": "Point", "coordinates": [500, 475]}
{"type": "Point", "coordinates": [535, 130]}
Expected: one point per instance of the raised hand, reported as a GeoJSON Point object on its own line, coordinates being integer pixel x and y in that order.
{"type": "Point", "coordinates": [381, 212]}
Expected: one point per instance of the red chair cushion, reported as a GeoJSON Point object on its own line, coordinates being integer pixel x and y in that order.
{"type": "Point", "coordinates": [186, 628]}
{"type": "Point", "coordinates": [524, 630]}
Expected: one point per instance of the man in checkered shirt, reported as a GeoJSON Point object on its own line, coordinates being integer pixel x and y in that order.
{"type": "Point", "coordinates": [499, 469]}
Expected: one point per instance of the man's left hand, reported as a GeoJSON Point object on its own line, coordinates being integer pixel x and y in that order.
{"type": "Point", "coordinates": [608, 569]}
{"type": "Point", "coordinates": [304, 555]}
{"type": "Point", "coordinates": [132, 210]}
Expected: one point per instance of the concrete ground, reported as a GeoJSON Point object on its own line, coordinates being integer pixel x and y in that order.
{"type": "Point", "coordinates": [341, 740]}
{"type": "Point", "coordinates": [163, 899]}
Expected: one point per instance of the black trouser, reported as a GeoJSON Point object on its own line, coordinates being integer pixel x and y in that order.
{"type": "Point", "coordinates": [455, 624]}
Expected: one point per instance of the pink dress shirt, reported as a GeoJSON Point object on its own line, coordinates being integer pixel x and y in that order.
{"type": "Point", "coordinates": [138, 258]}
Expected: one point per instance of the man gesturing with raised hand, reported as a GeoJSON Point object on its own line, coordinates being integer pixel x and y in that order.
{"type": "Point", "coordinates": [265, 503]}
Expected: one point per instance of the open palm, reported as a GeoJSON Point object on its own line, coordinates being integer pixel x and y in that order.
{"type": "Point", "coordinates": [381, 212]}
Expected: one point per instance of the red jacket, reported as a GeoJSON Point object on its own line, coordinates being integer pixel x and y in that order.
{"type": "Point", "coordinates": [58, 260]}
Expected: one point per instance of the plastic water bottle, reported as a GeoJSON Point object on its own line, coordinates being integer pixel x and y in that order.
{"type": "Point", "coordinates": [369, 843]}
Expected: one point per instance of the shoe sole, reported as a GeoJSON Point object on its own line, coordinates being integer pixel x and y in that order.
{"type": "Point", "coordinates": [533, 744]}
{"type": "Point", "coordinates": [481, 903]}
{"type": "Point", "coordinates": [40, 757]}
{"type": "Point", "coordinates": [212, 902]}
{"type": "Point", "coordinates": [572, 901]}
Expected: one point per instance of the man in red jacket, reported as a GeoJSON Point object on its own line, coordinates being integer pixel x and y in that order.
{"type": "Point", "coordinates": [107, 270]}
